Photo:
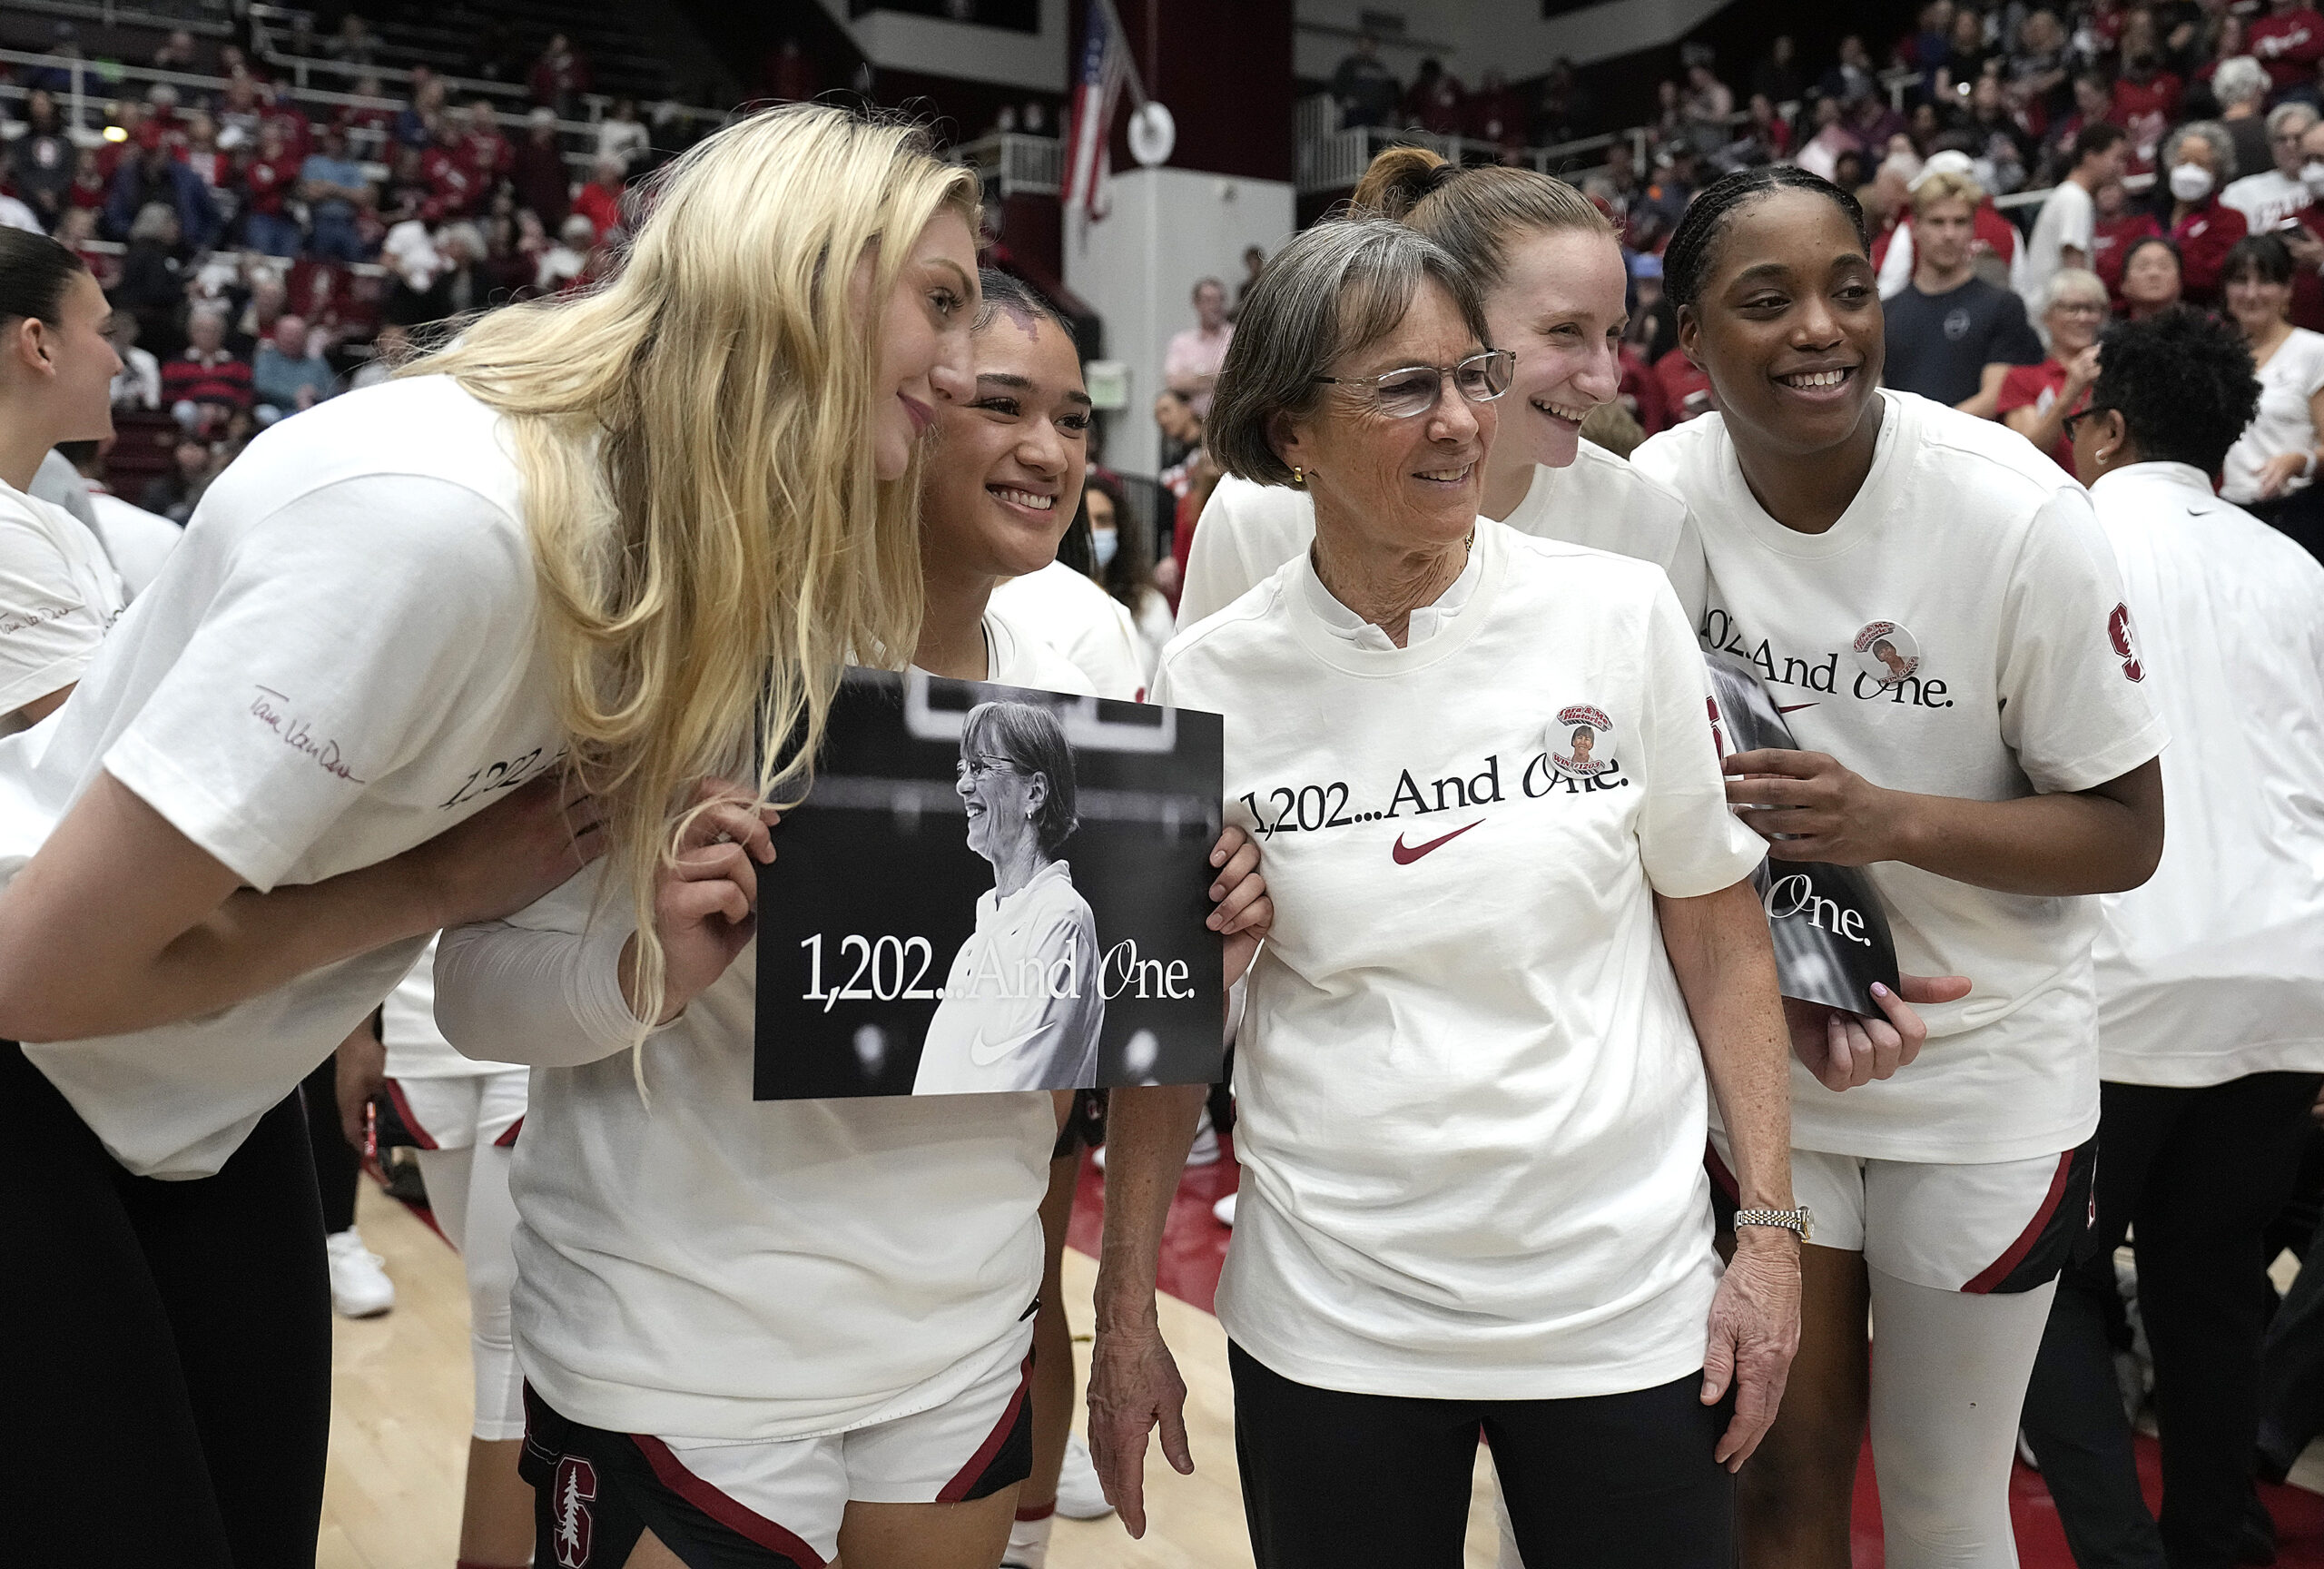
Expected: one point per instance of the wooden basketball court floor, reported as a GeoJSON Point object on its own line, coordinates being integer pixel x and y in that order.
{"type": "Point", "coordinates": [401, 1402]}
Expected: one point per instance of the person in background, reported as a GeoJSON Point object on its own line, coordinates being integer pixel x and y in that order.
{"type": "Point", "coordinates": [1254, 257]}
{"type": "Point", "coordinates": [1366, 91]}
{"type": "Point", "coordinates": [40, 161]}
{"type": "Point", "coordinates": [2198, 160]}
{"type": "Point", "coordinates": [2063, 234]}
{"type": "Point", "coordinates": [600, 200]}
{"type": "Point", "coordinates": [139, 384]}
{"type": "Point", "coordinates": [563, 264]}
{"type": "Point", "coordinates": [490, 152]}
{"type": "Point", "coordinates": [537, 169]}
{"type": "Point", "coordinates": [2119, 225]}
{"type": "Point", "coordinates": [1435, 100]}
{"type": "Point", "coordinates": [2152, 278]}
{"type": "Point", "coordinates": [2036, 401]}
{"type": "Point", "coordinates": [2239, 84]}
{"type": "Point", "coordinates": [2268, 197]}
{"type": "Point", "coordinates": [137, 542]}
{"type": "Point", "coordinates": [173, 493]}
{"type": "Point", "coordinates": [2270, 470]}
{"type": "Point", "coordinates": [1951, 336]}
{"type": "Point", "coordinates": [208, 376]}
{"type": "Point", "coordinates": [1106, 544]}
{"type": "Point", "coordinates": [286, 375]}
{"type": "Point", "coordinates": [333, 186]}
{"type": "Point", "coordinates": [621, 135]}
{"type": "Point", "coordinates": [559, 76]}
{"type": "Point", "coordinates": [1190, 364]}
{"type": "Point", "coordinates": [154, 177]}
{"type": "Point", "coordinates": [1995, 245]}
{"type": "Point", "coordinates": [2210, 979]}
{"type": "Point", "coordinates": [269, 177]}
{"type": "Point", "coordinates": [2287, 41]}
{"type": "Point", "coordinates": [1181, 427]}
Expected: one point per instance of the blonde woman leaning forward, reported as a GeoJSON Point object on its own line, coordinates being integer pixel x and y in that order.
{"type": "Point", "coordinates": [424, 652]}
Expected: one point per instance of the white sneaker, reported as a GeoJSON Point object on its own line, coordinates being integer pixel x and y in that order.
{"type": "Point", "coordinates": [1224, 1210]}
{"type": "Point", "coordinates": [1078, 1495]}
{"type": "Point", "coordinates": [360, 1288]}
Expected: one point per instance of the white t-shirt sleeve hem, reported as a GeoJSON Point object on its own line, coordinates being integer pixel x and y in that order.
{"type": "Point", "coordinates": [2141, 746]}
{"type": "Point", "coordinates": [197, 811]}
{"type": "Point", "coordinates": [31, 685]}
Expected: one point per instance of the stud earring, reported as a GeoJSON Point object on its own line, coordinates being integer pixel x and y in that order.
{"type": "Point", "coordinates": [1299, 477]}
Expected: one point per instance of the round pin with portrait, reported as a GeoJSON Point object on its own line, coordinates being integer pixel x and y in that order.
{"type": "Point", "coordinates": [1581, 741]}
{"type": "Point", "coordinates": [1887, 653]}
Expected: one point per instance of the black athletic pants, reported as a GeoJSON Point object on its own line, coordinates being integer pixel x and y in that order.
{"type": "Point", "coordinates": [338, 1169]}
{"type": "Point", "coordinates": [1331, 1480]}
{"type": "Point", "coordinates": [2200, 1173]}
{"type": "Point", "coordinates": [164, 1347]}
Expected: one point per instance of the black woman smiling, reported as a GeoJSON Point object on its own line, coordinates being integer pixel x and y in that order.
{"type": "Point", "coordinates": [1932, 603]}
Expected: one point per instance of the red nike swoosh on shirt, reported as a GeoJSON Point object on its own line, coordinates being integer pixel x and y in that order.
{"type": "Point", "coordinates": [1793, 708]}
{"type": "Point", "coordinates": [1406, 855]}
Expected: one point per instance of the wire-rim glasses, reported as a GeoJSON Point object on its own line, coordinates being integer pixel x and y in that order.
{"type": "Point", "coordinates": [1415, 390]}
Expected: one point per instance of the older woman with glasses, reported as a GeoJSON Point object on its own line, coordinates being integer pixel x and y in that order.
{"type": "Point", "coordinates": [1515, 936]}
{"type": "Point", "coordinates": [2036, 399]}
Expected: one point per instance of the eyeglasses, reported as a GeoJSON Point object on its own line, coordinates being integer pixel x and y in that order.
{"type": "Point", "coordinates": [1415, 389]}
{"type": "Point", "coordinates": [2072, 422]}
{"type": "Point", "coordinates": [2079, 308]}
{"type": "Point", "coordinates": [976, 768]}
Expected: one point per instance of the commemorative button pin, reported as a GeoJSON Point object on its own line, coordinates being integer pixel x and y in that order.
{"type": "Point", "coordinates": [1887, 653]}
{"type": "Point", "coordinates": [1580, 742]}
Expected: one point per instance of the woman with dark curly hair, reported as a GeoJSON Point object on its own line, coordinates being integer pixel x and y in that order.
{"type": "Point", "coordinates": [1997, 760]}
{"type": "Point", "coordinates": [2210, 984]}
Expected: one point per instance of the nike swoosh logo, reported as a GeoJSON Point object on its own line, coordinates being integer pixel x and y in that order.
{"type": "Point", "coordinates": [1406, 855]}
{"type": "Point", "coordinates": [1793, 708]}
{"type": "Point", "coordinates": [984, 1055]}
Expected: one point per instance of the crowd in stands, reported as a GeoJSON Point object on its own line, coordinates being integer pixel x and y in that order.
{"type": "Point", "coordinates": [264, 249]}
{"type": "Point", "coordinates": [2148, 153]}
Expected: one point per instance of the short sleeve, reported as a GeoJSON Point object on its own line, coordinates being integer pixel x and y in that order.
{"type": "Point", "coordinates": [2078, 219]}
{"type": "Point", "coordinates": [2018, 390]}
{"type": "Point", "coordinates": [349, 629]}
{"type": "Point", "coordinates": [2073, 708]}
{"type": "Point", "coordinates": [48, 630]}
{"type": "Point", "coordinates": [2013, 339]}
{"type": "Point", "coordinates": [1690, 842]}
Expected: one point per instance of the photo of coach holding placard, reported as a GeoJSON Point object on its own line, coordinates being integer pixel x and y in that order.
{"type": "Point", "coordinates": [991, 889]}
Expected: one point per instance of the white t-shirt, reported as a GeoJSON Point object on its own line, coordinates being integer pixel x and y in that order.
{"type": "Point", "coordinates": [990, 1032]}
{"type": "Point", "coordinates": [416, 1047]}
{"type": "Point", "coordinates": [1472, 1103]}
{"type": "Point", "coordinates": [2068, 217]}
{"type": "Point", "coordinates": [2215, 968]}
{"type": "Point", "coordinates": [2266, 199]}
{"type": "Point", "coordinates": [1248, 530]}
{"type": "Point", "coordinates": [713, 1266]}
{"type": "Point", "coordinates": [58, 596]}
{"type": "Point", "coordinates": [338, 665]}
{"type": "Point", "coordinates": [1089, 629]}
{"type": "Point", "coordinates": [2292, 375]}
{"type": "Point", "coordinates": [136, 541]}
{"type": "Point", "coordinates": [1973, 561]}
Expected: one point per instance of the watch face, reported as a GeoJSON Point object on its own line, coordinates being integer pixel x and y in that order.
{"type": "Point", "coordinates": [1806, 1224]}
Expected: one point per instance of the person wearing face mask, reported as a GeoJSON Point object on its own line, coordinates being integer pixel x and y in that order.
{"type": "Point", "coordinates": [1551, 276]}
{"type": "Point", "coordinates": [2197, 160]}
{"type": "Point", "coordinates": [2271, 471]}
{"type": "Point", "coordinates": [2277, 194]}
{"type": "Point", "coordinates": [775, 1332]}
{"type": "Point", "coordinates": [1106, 543]}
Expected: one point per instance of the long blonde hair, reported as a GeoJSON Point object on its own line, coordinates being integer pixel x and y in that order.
{"type": "Point", "coordinates": [711, 542]}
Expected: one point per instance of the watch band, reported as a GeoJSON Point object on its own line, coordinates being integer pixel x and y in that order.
{"type": "Point", "coordinates": [1801, 1221]}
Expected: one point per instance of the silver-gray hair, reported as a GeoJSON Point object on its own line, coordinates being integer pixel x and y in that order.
{"type": "Point", "coordinates": [2213, 135]}
{"type": "Point", "coordinates": [2068, 281]}
{"type": "Point", "coordinates": [1335, 289]}
{"type": "Point", "coordinates": [2240, 79]}
{"type": "Point", "coordinates": [2283, 114]}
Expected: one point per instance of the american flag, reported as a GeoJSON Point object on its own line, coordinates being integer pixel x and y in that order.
{"type": "Point", "coordinates": [1089, 163]}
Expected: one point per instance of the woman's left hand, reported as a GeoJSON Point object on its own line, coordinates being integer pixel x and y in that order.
{"type": "Point", "coordinates": [1754, 1334]}
{"type": "Point", "coordinates": [2279, 472]}
{"type": "Point", "coordinates": [1245, 913]}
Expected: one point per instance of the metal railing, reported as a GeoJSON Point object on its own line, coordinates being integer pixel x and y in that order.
{"type": "Point", "coordinates": [1332, 157]}
{"type": "Point", "coordinates": [209, 18]}
{"type": "Point", "coordinates": [1014, 164]}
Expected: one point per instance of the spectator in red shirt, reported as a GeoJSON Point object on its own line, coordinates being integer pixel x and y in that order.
{"type": "Point", "coordinates": [2093, 104]}
{"type": "Point", "coordinates": [490, 153]}
{"type": "Point", "coordinates": [368, 125]}
{"type": "Point", "coordinates": [268, 177]}
{"type": "Point", "coordinates": [455, 189]}
{"type": "Point", "coordinates": [2289, 40]}
{"type": "Point", "coordinates": [89, 183]}
{"type": "Point", "coordinates": [2144, 103]}
{"type": "Point", "coordinates": [1435, 102]}
{"type": "Point", "coordinates": [2036, 399]}
{"type": "Point", "coordinates": [600, 200]}
{"type": "Point", "coordinates": [2198, 161]}
{"type": "Point", "coordinates": [537, 170]}
{"type": "Point", "coordinates": [1497, 112]}
{"type": "Point", "coordinates": [207, 382]}
{"type": "Point", "coordinates": [1685, 390]}
{"type": "Point", "coordinates": [2119, 225]}
{"type": "Point", "coordinates": [559, 76]}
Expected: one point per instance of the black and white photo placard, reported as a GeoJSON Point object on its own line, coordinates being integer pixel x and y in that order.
{"type": "Point", "coordinates": [989, 888]}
